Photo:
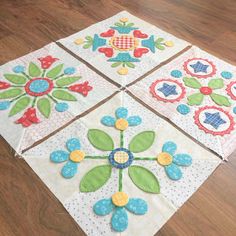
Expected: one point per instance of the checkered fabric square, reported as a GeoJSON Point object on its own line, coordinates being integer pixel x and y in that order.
{"type": "Point", "coordinates": [124, 42]}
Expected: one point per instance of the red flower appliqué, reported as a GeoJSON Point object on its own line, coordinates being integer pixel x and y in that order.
{"type": "Point", "coordinates": [4, 85]}
{"type": "Point", "coordinates": [83, 88]}
{"type": "Point", "coordinates": [28, 118]}
{"type": "Point", "coordinates": [47, 61]}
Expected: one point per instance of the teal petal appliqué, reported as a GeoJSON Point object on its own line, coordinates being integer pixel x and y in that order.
{"type": "Point", "coordinates": [69, 169]}
{"type": "Point", "coordinates": [169, 147]}
{"type": "Point", "coordinates": [119, 220]}
{"type": "Point", "coordinates": [108, 121]}
{"type": "Point", "coordinates": [137, 206]}
{"type": "Point", "coordinates": [103, 207]}
{"type": "Point", "coordinates": [173, 172]}
{"type": "Point", "coordinates": [121, 112]}
{"type": "Point", "coordinates": [182, 159]}
{"type": "Point", "coordinates": [59, 156]}
{"type": "Point", "coordinates": [73, 144]}
{"type": "Point", "coordinates": [134, 120]}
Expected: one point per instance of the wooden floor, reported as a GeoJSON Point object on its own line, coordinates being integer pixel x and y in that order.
{"type": "Point", "coordinates": [27, 207]}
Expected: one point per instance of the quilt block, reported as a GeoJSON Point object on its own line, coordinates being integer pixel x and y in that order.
{"type": "Point", "coordinates": [123, 47]}
{"type": "Point", "coordinates": [196, 91]}
{"type": "Point", "coordinates": [105, 149]}
{"type": "Point", "coordinates": [115, 172]}
{"type": "Point", "coordinates": [45, 89]}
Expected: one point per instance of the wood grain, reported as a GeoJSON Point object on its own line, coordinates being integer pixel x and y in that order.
{"type": "Point", "coordinates": [27, 207]}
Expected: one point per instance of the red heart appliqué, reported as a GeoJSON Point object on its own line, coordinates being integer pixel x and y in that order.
{"type": "Point", "coordinates": [138, 52]}
{"type": "Point", "coordinates": [139, 34]}
{"type": "Point", "coordinates": [107, 51]}
{"type": "Point", "coordinates": [109, 33]}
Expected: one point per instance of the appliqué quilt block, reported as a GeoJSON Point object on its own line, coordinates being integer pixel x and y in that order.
{"type": "Point", "coordinates": [123, 47]}
{"type": "Point", "coordinates": [42, 91]}
{"type": "Point", "coordinates": [196, 91]}
{"type": "Point", "coordinates": [115, 171]}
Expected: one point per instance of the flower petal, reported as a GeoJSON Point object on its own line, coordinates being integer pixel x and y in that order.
{"type": "Point", "coordinates": [121, 112]}
{"type": "Point", "coordinates": [137, 206]}
{"type": "Point", "coordinates": [59, 156]}
{"type": "Point", "coordinates": [182, 159]}
{"type": "Point", "coordinates": [169, 147]}
{"type": "Point", "coordinates": [108, 120]}
{"type": "Point", "coordinates": [103, 207]}
{"type": "Point", "coordinates": [134, 120]}
{"type": "Point", "coordinates": [173, 171]}
{"type": "Point", "coordinates": [119, 220]}
{"type": "Point", "coordinates": [69, 169]}
{"type": "Point", "coordinates": [73, 144]}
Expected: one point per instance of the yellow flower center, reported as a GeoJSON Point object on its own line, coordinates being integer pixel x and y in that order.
{"type": "Point", "coordinates": [169, 43]}
{"type": "Point", "coordinates": [77, 156]}
{"type": "Point", "coordinates": [124, 19]}
{"type": "Point", "coordinates": [164, 159]}
{"type": "Point", "coordinates": [123, 71]}
{"type": "Point", "coordinates": [121, 157]}
{"type": "Point", "coordinates": [120, 199]}
{"type": "Point", "coordinates": [121, 124]}
{"type": "Point", "coordinates": [79, 41]}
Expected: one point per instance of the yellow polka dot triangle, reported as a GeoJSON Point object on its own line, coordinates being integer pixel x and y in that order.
{"type": "Point", "coordinates": [120, 157]}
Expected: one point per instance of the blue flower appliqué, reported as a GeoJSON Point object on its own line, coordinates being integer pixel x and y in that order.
{"type": "Point", "coordinates": [72, 158]}
{"type": "Point", "coordinates": [172, 161]}
{"type": "Point", "coordinates": [121, 121]}
{"type": "Point", "coordinates": [119, 203]}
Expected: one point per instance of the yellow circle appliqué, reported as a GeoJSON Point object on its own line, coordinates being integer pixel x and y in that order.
{"type": "Point", "coordinates": [120, 199]}
{"type": "Point", "coordinates": [121, 124]}
{"type": "Point", "coordinates": [77, 156]}
{"type": "Point", "coordinates": [164, 159]}
{"type": "Point", "coordinates": [121, 157]}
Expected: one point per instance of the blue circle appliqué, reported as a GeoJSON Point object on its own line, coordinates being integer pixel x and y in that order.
{"type": "Point", "coordinates": [183, 109]}
{"type": "Point", "coordinates": [39, 86]}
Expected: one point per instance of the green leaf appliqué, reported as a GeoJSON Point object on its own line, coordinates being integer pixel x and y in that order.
{"type": "Point", "coordinates": [142, 141]}
{"type": "Point", "coordinates": [100, 140]}
{"type": "Point", "coordinates": [67, 81]}
{"type": "Point", "coordinates": [55, 71]}
{"type": "Point", "coordinates": [20, 105]}
{"type": "Point", "coordinates": [220, 100]}
{"type": "Point", "coordinates": [34, 70]}
{"type": "Point", "coordinates": [15, 79]}
{"type": "Point", "coordinates": [195, 99]}
{"type": "Point", "coordinates": [144, 179]}
{"type": "Point", "coordinates": [216, 83]}
{"type": "Point", "coordinates": [192, 82]}
{"type": "Point", "coordinates": [63, 95]}
{"type": "Point", "coordinates": [11, 93]}
{"type": "Point", "coordinates": [44, 107]}
{"type": "Point", "coordinates": [95, 178]}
